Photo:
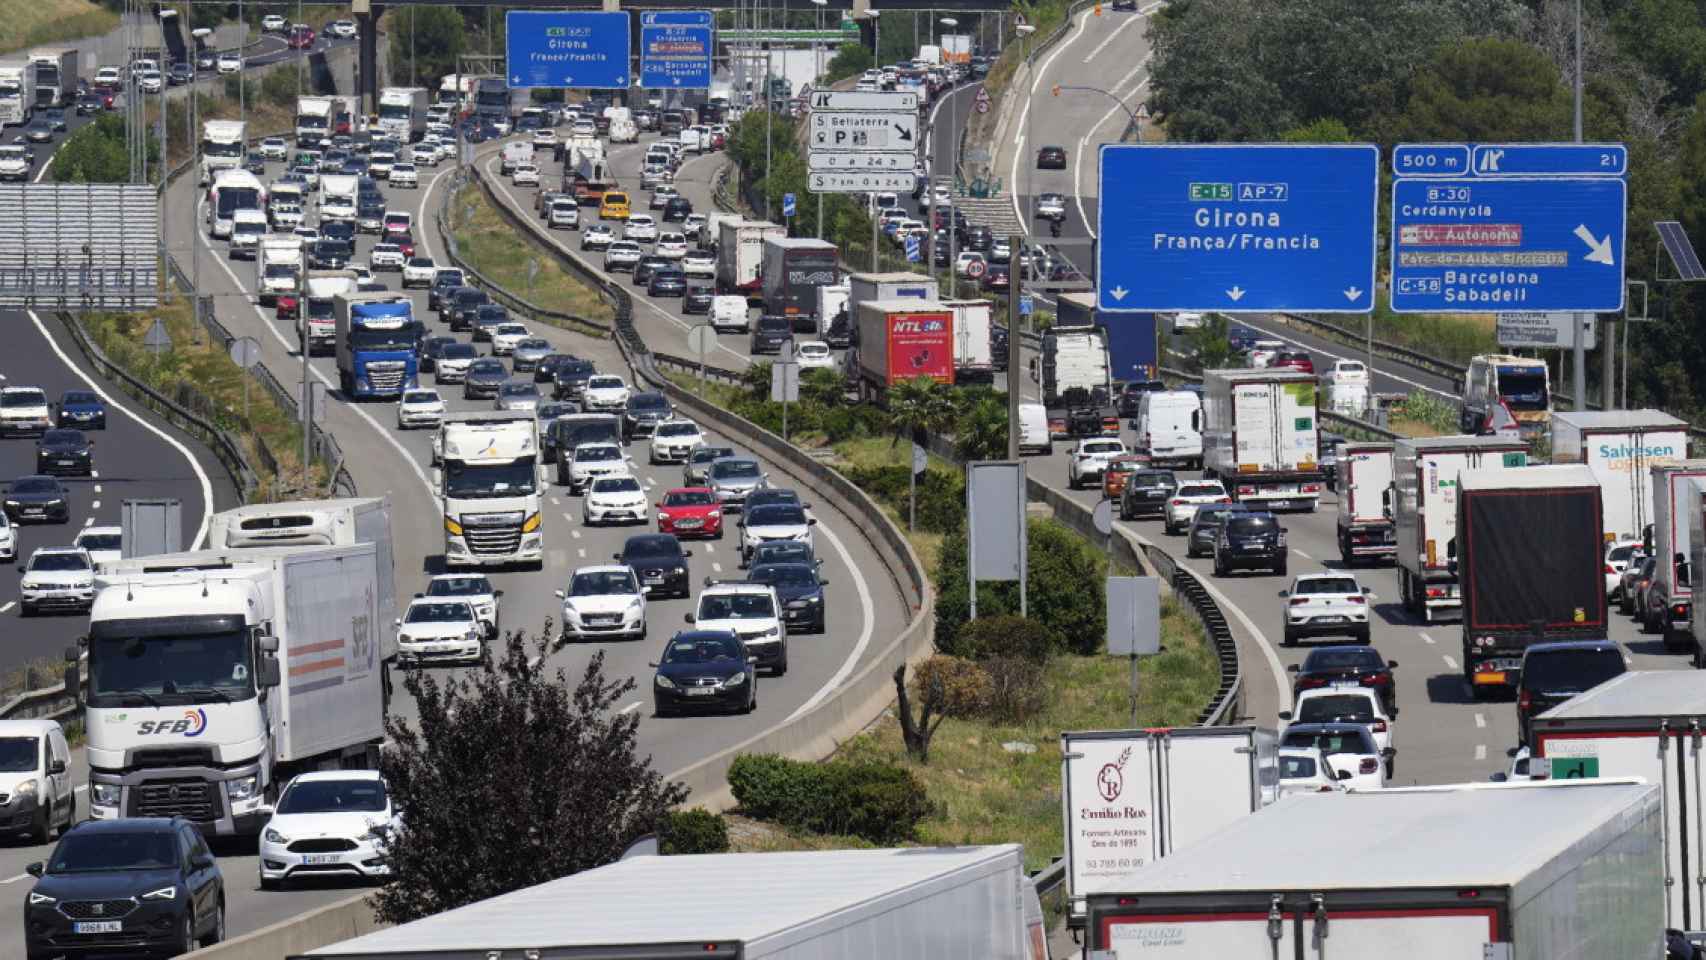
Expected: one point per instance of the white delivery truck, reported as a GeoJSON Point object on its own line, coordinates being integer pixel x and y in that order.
{"type": "Point", "coordinates": [1531, 871]}
{"type": "Point", "coordinates": [921, 903]}
{"type": "Point", "coordinates": [622, 126]}
{"type": "Point", "coordinates": [974, 323]}
{"type": "Point", "coordinates": [222, 147]}
{"type": "Point", "coordinates": [1677, 493]}
{"type": "Point", "coordinates": [338, 196]}
{"type": "Point", "coordinates": [864, 287]}
{"type": "Point", "coordinates": [1620, 447]}
{"type": "Point", "coordinates": [278, 268]}
{"type": "Point", "coordinates": [1169, 426]}
{"type": "Point", "coordinates": [17, 93]}
{"type": "Point", "coordinates": [215, 676]}
{"type": "Point", "coordinates": [1523, 384]}
{"type": "Point", "coordinates": [1259, 437]}
{"type": "Point", "coordinates": [515, 153]}
{"type": "Point", "coordinates": [1365, 502]}
{"type": "Point", "coordinates": [740, 255]}
{"type": "Point", "coordinates": [317, 321]}
{"type": "Point", "coordinates": [402, 113]}
{"type": "Point", "coordinates": [1647, 724]}
{"type": "Point", "coordinates": [55, 72]}
{"type": "Point", "coordinates": [1424, 511]}
{"type": "Point", "coordinates": [313, 120]}
{"type": "Point", "coordinates": [488, 482]}
{"type": "Point", "coordinates": [1132, 797]}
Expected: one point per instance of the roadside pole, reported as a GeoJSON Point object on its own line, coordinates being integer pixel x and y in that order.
{"type": "Point", "coordinates": [1015, 283]}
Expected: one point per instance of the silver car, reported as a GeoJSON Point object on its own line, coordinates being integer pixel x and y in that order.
{"type": "Point", "coordinates": [517, 395]}
{"type": "Point", "coordinates": [732, 478]}
{"type": "Point", "coordinates": [696, 471]}
{"type": "Point", "coordinates": [528, 353]}
{"type": "Point", "coordinates": [485, 378]}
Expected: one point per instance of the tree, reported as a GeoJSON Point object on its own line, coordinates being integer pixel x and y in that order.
{"type": "Point", "coordinates": [1487, 90]}
{"type": "Point", "coordinates": [919, 406]}
{"type": "Point", "coordinates": [1061, 566]}
{"type": "Point", "coordinates": [97, 153]}
{"type": "Point", "coordinates": [980, 430]}
{"type": "Point", "coordinates": [438, 39]}
{"type": "Point", "coordinates": [850, 59]}
{"type": "Point", "coordinates": [510, 777]}
{"type": "Point", "coordinates": [1211, 349]}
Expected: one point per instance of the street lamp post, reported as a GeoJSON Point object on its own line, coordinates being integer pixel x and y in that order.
{"type": "Point", "coordinates": [953, 169]}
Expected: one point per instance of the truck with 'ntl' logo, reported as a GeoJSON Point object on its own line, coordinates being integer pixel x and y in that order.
{"type": "Point", "coordinates": [1621, 447]}
{"type": "Point", "coordinates": [377, 335]}
{"type": "Point", "coordinates": [217, 675]}
{"type": "Point", "coordinates": [902, 340]}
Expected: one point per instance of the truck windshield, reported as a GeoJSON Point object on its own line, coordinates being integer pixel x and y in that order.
{"type": "Point", "coordinates": [47, 75]}
{"type": "Point", "coordinates": [162, 665]}
{"type": "Point", "coordinates": [320, 308]}
{"type": "Point", "coordinates": [232, 199]}
{"type": "Point", "coordinates": [307, 122]}
{"type": "Point", "coordinates": [10, 90]}
{"type": "Point", "coordinates": [216, 148]}
{"type": "Point", "coordinates": [475, 480]}
{"type": "Point", "coordinates": [402, 338]}
{"type": "Point", "coordinates": [1524, 388]}
{"type": "Point", "coordinates": [394, 111]}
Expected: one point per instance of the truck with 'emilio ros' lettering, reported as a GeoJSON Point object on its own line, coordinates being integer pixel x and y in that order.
{"type": "Point", "coordinates": [215, 676]}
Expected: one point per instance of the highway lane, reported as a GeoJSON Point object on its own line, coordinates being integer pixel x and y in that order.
{"type": "Point", "coordinates": [862, 597]}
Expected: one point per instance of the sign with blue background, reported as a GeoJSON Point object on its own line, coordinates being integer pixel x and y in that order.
{"type": "Point", "coordinates": [567, 48]}
{"type": "Point", "coordinates": [1237, 228]}
{"type": "Point", "coordinates": [675, 49]}
{"type": "Point", "coordinates": [787, 204]}
{"type": "Point", "coordinates": [1525, 228]}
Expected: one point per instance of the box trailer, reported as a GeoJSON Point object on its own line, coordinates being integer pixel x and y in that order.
{"type": "Point", "coordinates": [1424, 511]}
{"type": "Point", "coordinates": [1676, 495]}
{"type": "Point", "coordinates": [894, 285]}
{"type": "Point", "coordinates": [1259, 437]}
{"type": "Point", "coordinates": [1532, 871]}
{"type": "Point", "coordinates": [150, 525]}
{"type": "Point", "coordinates": [1131, 797]}
{"type": "Point", "coordinates": [740, 255]}
{"type": "Point", "coordinates": [974, 339]}
{"type": "Point", "coordinates": [921, 903]}
{"type": "Point", "coordinates": [1644, 724]}
{"type": "Point", "coordinates": [1365, 502]}
{"type": "Point", "coordinates": [1621, 447]}
{"type": "Point", "coordinates": [793, 270]}
{"type": "Point", "coordinates": [903, 339]}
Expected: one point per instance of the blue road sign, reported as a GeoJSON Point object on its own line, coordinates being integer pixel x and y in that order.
{"type": "Point", "coordinates": [787, 204]}
{"type": "Point", "coordinates": [1430, 160]}
{"type": "Point", "coordinates": [913, 249]}
{"type": "Point", "coordinates": [1237, 228]}
{"type": "Point", "coordinates": [567, 48]}
{"type": "Point", "coordinates": [1025, 305]}
{"type": "Point", "coordinates": [675, 49]}
{"type": "Point", "coordinates": [1528, 230]}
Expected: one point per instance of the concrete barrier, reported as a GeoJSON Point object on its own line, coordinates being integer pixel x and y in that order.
{"type": "Point", "coordinates": [332, 923]}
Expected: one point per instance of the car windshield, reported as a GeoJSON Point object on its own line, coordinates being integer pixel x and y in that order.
{"type": "Point", "coordinates": [776, 515]}
{"type": "Point", "coordinates": [689, 498]}
{"type": "Point", "coordinates": [602, 583]}
{"type": "Point", "coordinates": [1623, 553]}
{"type": "Point", "coordinates": [100, 541]}
{"type": "Point", "coordinates": [447, 278]}
{"type": "Point", "coordinates": [739, 606]}
{"type": "Point", "coordinates": [615, 485]}
{"type": "Point", "coordinates": [605, 383]}
{"type": "Point", "coordinates": [19, 754]}
{"type": "Point", "coordinates": [1251, 526]}
{"type": "Point", "coordinates": [106, 850]}
{"type": "Point", "coordinates": [1331, 742]}
{"type": "Point", "coordinates": [735, 470]}
{"type": "Point", "coordinates": [458, 351]}
{"type": "Point", "coordinates": [23, 398]}
{"type": "Point", "coordinates": [79, 397]}
{"type": "Point", "coordinates": [677, 430]}
{"type": "Point", "coordinates": [519, 390]}
{"type": "Point", "coordinates": [533, 343]}
{"type": "Point", "coordinates": [1570, 671]}
{"type": "Point", "coordinates": [54, 437]}
{"type": "Point", "coordinates": [651, 547]}
{"type": "Point", "coordinates": [459, 587]}
{"type": "Point", "coordinates": [708, 454]}
{"type": "Point", "coordinates": [1357, 658]}
{"type": "Point", "coordinates": [35, 485]}
{"type": "Point", "coordinates": [511, 329]}
{"type": "Point", "coordinates": [486, 365]}
{"type": "Point", "coordinates": [334, 796]}
{"type": "Point", "coordinates": [785, 574]}
{"type": "Point", "coordinates": [1344, 708]}
{"type": "Point", "coordinates": [1318, 585]}
{"type": "Point", "coordinates": [1201, 490]}
{"type": "Point", "coordinates": [59, 561]}
{"type": "Point", "coordinates": [420, 396]}
{"type": "Point", "coordinates": [438, 612]}
{"type": "Point", "coordinates": [705, 649]}
{"type": "Point", "coordinates": [1211, 518]}
{"type": "Point", "coordinates": [599, 454]}
{"type": "Point", "coordinates": [648, 402]}
{"type": "Point", "coordinates": [1294, 767]}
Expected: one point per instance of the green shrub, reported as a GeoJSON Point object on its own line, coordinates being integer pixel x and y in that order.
{"type": "Point", "coordinates": [1005, 635]}
{"type": "Point", "coordinates": [694, 831]}
{"type": "Point", "coordinates": [879, 802]}
{"type": "Point", "coordinates": [1063, 589]}
{"type": "Point", "coordinates": [962, 685]}
{"type": "Point", "coordinates": [279, 88]}
{"type": "Point", "coordinates": [772, 787]}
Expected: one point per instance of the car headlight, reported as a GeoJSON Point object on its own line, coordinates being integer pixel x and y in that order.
{"type": "Point", "coordinates": [636, 605]}
{"type": "Point", "coordinates": [735, 680]}
{"type": "Point", "coordinates": [473, 635]}
{"type": "Point", "coordinates": [452, 527]}
{"type": "Point", "coordinates": [531, 524]}
{"type": "Point", "coordinates": [11, 503]}
{"type": "Point", "coordinates": [25, 789]}
{"type": "Point", "coordinates": [772, 632]}
{"type": "Point", "coordinates": [164, 893]}
{"type": "Point", "coordinates": [104, 794]}
{"type": "Point", "coordinates": [40, 899]}
{"type": "Point", "coordinates": [273, 836]}
{"type": "Point", "coordinates": [405, 638]}
{"type": "Point", "coordinates": [665, 682]}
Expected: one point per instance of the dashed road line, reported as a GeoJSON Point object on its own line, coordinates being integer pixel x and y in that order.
{"type": "Point", "coordinates": [1450, 662]}
{"type": "Point", "coordinates": [1481, 720]}
{"type": "Point", "coordinates": [1480, 751]}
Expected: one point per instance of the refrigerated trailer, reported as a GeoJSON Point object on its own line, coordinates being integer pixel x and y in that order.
{"type": "Point", "coordinates": [1531, 871]}
{"type": "Point", "coordinates": [1259, 437]}
{"type": "Point", "coordinates": [1424, 511]}
{"type": "Point", "coordinates": [1676, 494]}
{"type": "Point", "coordinates": [1620, 447]}
{"type": "Point", "coordinates": [1365, 502]}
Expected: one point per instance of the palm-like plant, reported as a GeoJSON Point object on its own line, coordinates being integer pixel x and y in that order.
{"type": "Point", "coordinates": [919, 405]}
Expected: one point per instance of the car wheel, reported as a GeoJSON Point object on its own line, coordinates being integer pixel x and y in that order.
{"type": "Point", "coordinates": [217, 933]}
{"type": "Point", "coordinates": [1289, 640]}
{"type": "Point", "coordinates": [185, 935]}
{"type": "Point", "coordinates": [1219, 568]}
{"type": "Point", "coordinates": [43, 832]}
{"type": "Point", "coordinates": [1280, 570]}
{"type": "Point", "coordinates": [659, 710]}
{"type": "Point", "coordinates": [26, 610]}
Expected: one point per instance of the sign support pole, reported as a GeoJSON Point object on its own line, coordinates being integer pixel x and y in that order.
{"type": "Point", "coordinates": [1015, 283]}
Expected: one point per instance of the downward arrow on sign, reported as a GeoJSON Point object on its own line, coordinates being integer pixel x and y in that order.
{"type": "Point", "coordinates": [1352, 293]}
{"type": "Point", "coordinates": [1236, 293]}
{"type": "Point", "coordinates": [1118, 293]}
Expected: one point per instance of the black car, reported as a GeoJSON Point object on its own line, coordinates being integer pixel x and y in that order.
{"type": "Point", "coordinates": [463, 303]}
{"type": "Point", "coordinates": [39, 498]}
{"type": "Point", "coordinates": [127, 886]}
{"type": "Point", "coordinates": [181, 73]}
{"type": "Point", "coordinates": [769, 333]}
{"type": "Point", "coordinates": [569, 379]}
{"type": "Point", "coordinates": [698, 298]}
{"type": "Point", "coordinates": [1357, 664]}
{"type": "Point", "coordinates": [331, 254]}
{"type": "Point", "coordinates": [660, 563]}
{"type": "Point", "coordinates": [545, 370]}
{"type": "Point", "coordinates": [978, 238]}
{"type": "Point", "coordinates": [1250, 541]}
{"type": "Point", "coordinates": [645, 411]}
{"type": "Point", "coordinates": [648, 265]}
{"type": "Point", "coordinates": [998, 277]}
{"type": "Point", "coordinates": [83, 409]}
{"type": "Point", "coordinates": [486, 320]}
{"type": "Point", "coordinates": [800, 590]}
{"type": "Point", "coordinates": [677, 208]}
{"type": "Point", "coordinates": [783, 551]}
{"type": "Point", "coordinates": [667, 283]}
{"type": "Point", "coordinates": [431, 349]}
{"type": "Point", "coordinates": [443, 282]}
{"type": "Point", "coordinates": [486, 376]}
{"type": "Point", "coordinates": [1205, 527]}
{"type": "Point", "coordinates": [1131, 395]}
{"type": "Point", "coordinates": [1555, 672]}
{"type": "Point", "coordinates": [1125, 5]}
{"type": "Point", "coordinates": [1327, 457]}
{"type": "Point", "coordinates": [1146, 493]}
{"type": "Point", "coordinates": [89, 103]}
{"type": "Point", "coordinates": [255, 164]}
{"type": "Point", "coordinates": [704, 668]}
{"type": "Point", "coordinates": [1051, 158]}
{"type": "Point", "coordinates": [338, 230]}
{"type": "Point", "coordinates": [65, 452]}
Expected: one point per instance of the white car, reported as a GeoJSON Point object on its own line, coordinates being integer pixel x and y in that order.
{"type": "Point", "coordinates": [272, 23]}
{"type": "Point", "coordinates": [1325, 605]}
{"type": "Point", "coordinates": [1306, 770]}
{"type": "Point", "coordinates": [385, 256]}
{"type": "Point", "coordinates": [617, 499]}
{"type": "Point", "coordinates": [23, 410]}
{"type": "Point", "coordinates": [421, 407]}
{"type": "Point", "coordinates": [102, 544]}
{"type": "Point", "coordinates": [590, 461]}
{"type": "Point", "coordinates": [620, 255]}
{"type": "Point", "coordinates": [151, 81]}
{"type": "Point", "coordinates": [1619, 555]}
{"type": "Point", "coordinates": [603, 601]}
{"type": "Point", "coordinates": [565, 214]}
{"type": "Point", "coordinates": [59, 577]}
{"type": "Point", "coordinates": [699, 263]}
{"type": "Point", "coordinates": [346, 813]}
{"type": "Point", "coordinates": [1348, 371]}
{"type": "Point", "coordinates": [597, 236]}
{"type": "Point", "coordinates": [344, 29]}
{"type": "Point", "coordinates": [1187, 321]}
{"type": "Point", "coordinates": [425, 153]}
{"type": "Point", "coordinates": [506, 336]}
{"type": "Point", "coordinates": [814, 355]}
{"type": "Point", "coordinates": [228, 63]}
{"type": "Point", "coordinates": [640, 228]}
{"type": "Point", "coordinates": [275, 148]}
{"type": "Point", "coordinates": [1183, 504]}
{"type": "Point", "coordinates": [419, 272]}
{"type": "Point", "coordinates": [525, 173]}
{"type": "Point", "coordinates": [404, 175]}
{"type": "Point", "coordinates": [544, 137]}
{"type": "Point", "coordinates": [583, 128]}
{"type": "Point", "coordinates": [8, 539]}
{"type": "Point", "coordinates": [1262, 352]}
{"type": "Point", "coordinates": [728, 313]}
{"type": "Point", "coordinates": [750, 611]}
{"type": "Point", "coordinates": [969, 264]}
{"type": "Point", "coordinates": [1090, 458]}
{"type": "Point", "coordinates": [1348, 747]}
{"type": "Point", "coordinates": [476, 590]}
{"type": "Point", "coordinates": [605, 393]}
{"type": "Point", "coordinates": [774, 522]}
{"type": "Point", "coordinates": [673, 440]}
{"type": "Point", "coordinates": [1347, 703]}
{"type": "Point", "coordinates": [440, 629]}
{"type": "Point", "coordinates": [672, 246]}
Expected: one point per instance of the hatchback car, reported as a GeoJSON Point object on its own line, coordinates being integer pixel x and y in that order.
{"type": "Point", "coordinates": [1356, 665]}
{"type": "Point", "coordinates": [1146, 493]}
{"type": "Point", "coordinates": [660, 563]}
{"type": "Point", "coordinates": [484, 378]}
{"type": "Point", "coordinates": [1325, 605]}
{"type": "Point", "coordinates": [1303, 769]}
{"type": "Point", "coordinates": [690, 512]}
{"type": "Point", "coordinates": [1348, 747]}
{"type": "Point", "coordinates": [703, 669]}
{"type": "Point", "coordinates": [696, 471]}
{"type": "Point", "coordinates": [799, 588]}
{"type": "Point", "coordinates": [332, 822]}
{"type": "Point", "coordinates": [38, 499]}
{"type": "Point", "coordinates": [603, 601]}
{"type": "Point", "coordinates": [732, 479]}
{"type": "Point", "coordinates": [440, 630]}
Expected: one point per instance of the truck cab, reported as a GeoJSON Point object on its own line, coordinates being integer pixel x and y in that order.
{"type": "Point", "coordinates": [377, 339]}
{"type": "Point", "coordinates": [1521, 383]}
{"type": "Point", "coordinates": [489, 481]}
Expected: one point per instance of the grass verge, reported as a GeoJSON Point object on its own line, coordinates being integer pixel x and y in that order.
{"type": "Point", "coordinates": [41, 22]}
{"type": "Point", "coordinates": [1447, 336]}
{"type": "Point", "coordinates": [495, 248]}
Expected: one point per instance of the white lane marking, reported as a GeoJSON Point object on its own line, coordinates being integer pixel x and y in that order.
{"type": "Point", "coordinates": [94, 505]}
{"type": "Point", "coordinates": [1078, 159]}
{"type": "Point", "coordinates": [21, 876]}
{"type": "Point", "coordinates": [1111, 35]}
{"type": "Point", "coordinates": [8, 605]}
{"type": "Point", "coordinates": [1449, 662]}
{"type": "Point", "coordinates": [195, 465]}
{"type": "Point", "coordinates": [1427, 638]}
{"type": "Point", "coordinates": [573, 533]}
{"type": "Point", "coordinates": [1303, 555]}
{"type": "Point", "coordinates": [716, 567]}
{"type": "Point", "coordinates": [868, 620]}
{"type": "Point", "coordinates": [581, 551]}
{"type": "Point", "coordinates": [88, 521]}
{"type": "Point", "coordinates": [1480, 751]}
{"type": "Point", "coordinates": [1480, 721]}
{"type": "Point", "coordinates": [630, 708]}
{"type": "Point", "coordinates": [97, 487]}
{"type": "Point", "coordinates": [95, 475]}
{"type": "Point", "coordinates": [557, 503]}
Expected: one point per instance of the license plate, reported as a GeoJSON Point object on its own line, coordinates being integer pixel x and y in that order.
{"type": "Point", "coordinates": [317, 858]}
{"type": "Point", "coordinates": [1330, 619]}
{"type": "Point", "coordinates": [99, 926]}
{"type": "Point", "coordinates": [654, 581]}
{"type": "Point", "coordinates": [34, 511]}
{"type": "Point", "coordinates": [690, 524]}
{"type": "Point", "coordinates": [700, 691]}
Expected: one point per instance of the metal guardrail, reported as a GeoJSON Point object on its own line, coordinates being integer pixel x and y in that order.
{"type": "Point", "coordinates": [721, 374]}
{"type": "Point", "coordinates": [45, 703]}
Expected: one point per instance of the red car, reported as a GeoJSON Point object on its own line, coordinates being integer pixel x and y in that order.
{"type": "Point", "coordinates": [691, 512]}
{"type": "Point", "coordinates": [405, 241]}
{"type": "Point", "coordinates": [1293, 360]}
{"type": "Point", "coordinates": [287, 307]}
{"type": "Point", "coordinates": [301, 37]}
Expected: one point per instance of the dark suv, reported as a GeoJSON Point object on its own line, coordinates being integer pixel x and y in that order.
{"type": "Point", "coordinates": [1250, 541]}
{"type": "Point", "coordinates": [1555, 672]}
{"type": "Point", "coordinates": [1146, 493]}
{"type": "Point", "coordinates": [769, 332]}
{"type": "Point", "coordinates": [462, 303]}
{"type": "Point", "coordinates": [645, 411]}
{"type": "Point", "coordinates": [140, 885]}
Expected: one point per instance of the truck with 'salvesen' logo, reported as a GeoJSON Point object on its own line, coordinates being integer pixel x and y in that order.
{"type": "Point", "coordinates": [1621, 447]}
{"type": "Point", "coordinates": [215, 676]}
{"type": "Point", "coordinates": [901, 340]}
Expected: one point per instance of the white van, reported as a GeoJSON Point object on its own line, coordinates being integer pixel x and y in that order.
{"type": "Point", "coordinates": [728, 312]}
{"type": "Point", "coordinates": [34, 751]}
{"type": "Point", "coordinates": [1033, 430]}
{"type": "Point", "coordinates": [1169, 426]}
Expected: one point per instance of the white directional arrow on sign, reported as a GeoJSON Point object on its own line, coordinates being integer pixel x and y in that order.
{"type": "Point", "coordinates": [1599, 251]}
{"type": "Point", "coordinates": [1351, 293]}
{"type": "Point", "coordinates": [1119, 293]}
{"type": "Point", "coordinates": [1236, 293]}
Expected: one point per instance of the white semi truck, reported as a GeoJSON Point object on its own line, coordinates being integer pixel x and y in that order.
{"type": "Point", "coordinates": [1621, 447]}
{"type": "Point", "coordinates": [1259, 437]}
{"type": "Point", "coordinates": [215, 676]}
{"type": "Point", "coordinates": [222, 147]}
{"type": "Point", "coordinates": [55, 72]}
{"type": "Point", "coordinates": [317, 321]}
{"type": "Point", "coordinates": [313, 120]}
{"type": "Point", "coordinates": [402, 112]}
{"type": "Point", "coordinates": [278, 268]}
{"type": "Point", "coordinates": [489, 481]}
{"type": "Point", "coordinates": [17, 92]}
{"type": "Point", "coordinates": [1677, 494]}
{"type": "Point", "coordinates": [1424, 511]}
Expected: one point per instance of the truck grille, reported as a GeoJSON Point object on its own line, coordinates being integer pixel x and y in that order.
{"type": "Point", "coordinates": [191, 799]}
{"type": "Point", "coordinates": [492, 539]}
{"type": "Point", "coordinates": [322, 845]}
{"type": "Point", "coordinates": [386, 375]}
{"type": "Point", "coordinates": [97, 909]}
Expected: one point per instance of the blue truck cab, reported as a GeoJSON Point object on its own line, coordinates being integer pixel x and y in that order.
{"type": "Point", "coordinates": [377, 344]}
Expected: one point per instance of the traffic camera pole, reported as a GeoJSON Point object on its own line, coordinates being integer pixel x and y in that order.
{"type": "Point", "coordinates": [1015, 283]}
